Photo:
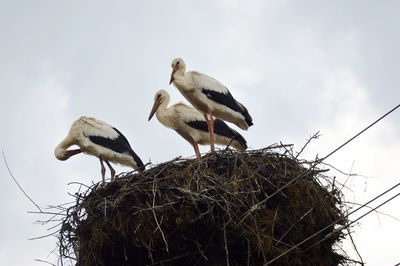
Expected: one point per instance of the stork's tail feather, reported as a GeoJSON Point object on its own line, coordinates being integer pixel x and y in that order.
{"type": "Point", "coordinates": [240, 139]}
{"type": "Point", "coordinates": [249, 120]}
{"type": "Point", "coordinates": [141, 168]}
{"type": "Point", "coordinates": [247, 116]}
{"type": "Point", "coordinates": [137, 160]}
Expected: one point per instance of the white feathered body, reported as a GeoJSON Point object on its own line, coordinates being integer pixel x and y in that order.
{"type": "Point", "coordinates": [87, 127]}
{"type": "Point", "coordinates": [179, 116]}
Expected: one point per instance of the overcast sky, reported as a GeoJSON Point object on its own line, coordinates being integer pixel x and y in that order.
{"type": "Point", "coordinates": [298, 66]}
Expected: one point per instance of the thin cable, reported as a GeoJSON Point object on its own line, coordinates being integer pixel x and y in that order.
{"type": "Point", "coordinates": [352, 222]}
{"type": "Point", "coordinates": [362, 131]}
{"type": "Point", "coordinates": [373, 209]}
{"type": "Point", "coordinates": [338, 220]}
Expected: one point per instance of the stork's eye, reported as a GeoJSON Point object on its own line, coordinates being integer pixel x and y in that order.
{"type": "Point", "coordinates": [177, 63]}
{"type": "Point", "coordinates": [159, 97]}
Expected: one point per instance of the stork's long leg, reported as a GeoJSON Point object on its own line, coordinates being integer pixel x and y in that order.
{"type": "Point", "coordinates": [211, 131]}
{"type": "Point", "coordinates": [210, 124]}
{"type": "Point", "coordinates": [103, 170]}
{"type": "Point", "coordinates": [111, 169]}
{"type": "Point", "coordinates": [196, 149]}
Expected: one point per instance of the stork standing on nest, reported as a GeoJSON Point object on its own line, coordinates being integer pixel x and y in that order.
{"type": "Point", "coordinates": [95, 137]}
{"type": "Point", "coordinates": [191, 125]}
{"type": "Point", "coordinates": [210, 97]}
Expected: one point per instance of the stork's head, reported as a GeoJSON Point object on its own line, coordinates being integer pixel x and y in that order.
{"type": "Point", "coordinates": [178, 65]}
{"type": "Point", "coordinates": [159, 98]}
{"type": "Point", "coordinates": [62, 154]}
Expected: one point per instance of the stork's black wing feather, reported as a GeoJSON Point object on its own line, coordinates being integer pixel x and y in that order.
{"type": "Point", "coordinates": [220, 128]}
{"type": "Point", "coordinates": [227, 99]}
{"type": "Point", "coordinates": [198, 124]}
{"type": "Point", "coordinates": [224, 98]}
{"type": "Point", "coordinates": [120, 145]}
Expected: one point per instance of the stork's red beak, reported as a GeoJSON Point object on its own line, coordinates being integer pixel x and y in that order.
{"type": "Point", "coordinates": [154, 109]}
{"type": "Point", "coordinates": [174, 69]}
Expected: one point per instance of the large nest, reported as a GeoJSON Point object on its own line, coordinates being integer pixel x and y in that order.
{"type": "Point", "coordinates": [226, 208]}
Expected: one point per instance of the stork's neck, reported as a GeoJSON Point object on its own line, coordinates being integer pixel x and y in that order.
{"type": "Point", "coordinates": [181, 80]}
{"type": "Point", "coordinates": [164, 113]}
{"type": "Point", "coordinates": [59, 152]}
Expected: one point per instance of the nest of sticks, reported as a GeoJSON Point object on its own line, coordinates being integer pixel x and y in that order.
{"type": "Point", "coordinates": [227, 208]}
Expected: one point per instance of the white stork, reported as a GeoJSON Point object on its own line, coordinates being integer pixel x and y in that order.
{"type": "Point", "coordinates": [191, 125]}
{"type": "Point", "coordinates": [95, 137]}
{"type": "Point", "coordinates": [210, 97]}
